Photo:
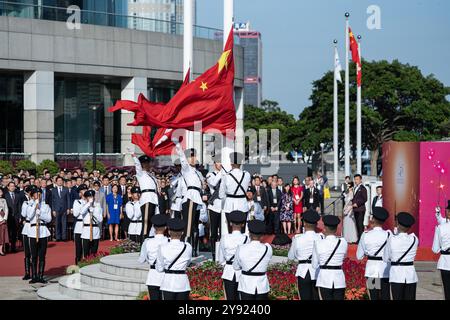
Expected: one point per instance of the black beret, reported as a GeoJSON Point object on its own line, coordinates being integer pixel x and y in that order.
{"type": "Point", "coordinates": [251, 189]}
{"type": "Point", "coordinates": [256, 227]}
{"type": "Point", "coordinates": [330, 220]}
{"type": "Point", "coordinates": [311, 216]}
{"type": "Point", "coordinates": [159, 220]}
{"type": "Point", "coordinates": [448, 205]}
{"type": "Point", "coordinates": [135, 190]}
{"type": "Point", "coordinates": [115, 170]}
{"type": "Point", "coordinates": [89, 193]}
{"type": "Point", "coordinates": [35, 190]}
{"type": "Point", "coordinates": [82, 187]}
{"type": "Point", "coordinates": [380, 213]}
{"type": "Point", "coordinates": [145, 159]}
{"type": "Point", "coordinates": [236, 158]}
{"type": "Point", "coordinates": [176, 224]}
{"type": "Point", "coordinates": [237, 217]}
{"type": "Point", "coordinates": [190, 152]}
{"type": "Point", "coordinates": [405, 219]}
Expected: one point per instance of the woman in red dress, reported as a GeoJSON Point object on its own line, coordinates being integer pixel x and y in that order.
{"type": "Point", "coordinates": [297, 195]}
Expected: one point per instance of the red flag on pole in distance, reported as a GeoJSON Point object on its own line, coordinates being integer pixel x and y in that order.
{"type": "Point", "coordinates": [355, 56]}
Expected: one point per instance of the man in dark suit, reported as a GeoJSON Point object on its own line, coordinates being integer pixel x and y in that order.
{"type": "Point", "coordinates": [60, 208]}
{"type": "Point", "coordinates": [46, 192]}
{"type": "Point", "coordinates": [311, 197]}
{"type": "Point", "coordinates": [274, 196]}
{"type": "Point", "coordinates": [123, 186]}
{"type": "Point", "coordinates": [260, 195]}
{"type": "Point", "coordinates": [377, 201]}
{"type": "Point", "coordinates": [359, 204]}
{"type": "Point", "coordinates": [13, 201]}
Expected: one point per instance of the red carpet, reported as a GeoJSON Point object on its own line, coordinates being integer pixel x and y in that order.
{"type": "Point", "coordinates": [59, 256]}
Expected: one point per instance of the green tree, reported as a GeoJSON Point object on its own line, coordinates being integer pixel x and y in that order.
{"type": "Point", "coordinates": [25, 165]}
{"type": "Point", "coordinates": [270, 105]}
{"type": "Point", "coordinates": [50, 165]}
{"type": "Point", "coordinates": [6, 167]}
{"type": "Point", "coordinates": [398, 103]}
{"type": "Point", "coordinates": [89, 165]}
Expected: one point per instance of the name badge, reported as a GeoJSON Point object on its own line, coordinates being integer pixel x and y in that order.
{"type": "Point", "coordinates": [311, 200]}
{"type": "Point", "coordinates": [165, 197]}
{"type": "Point", "coordinates": [258, 198]}
{"type": "Point", "coordinates": [275, 201]}
{"type": "Point", "coordinates": [116, 207]}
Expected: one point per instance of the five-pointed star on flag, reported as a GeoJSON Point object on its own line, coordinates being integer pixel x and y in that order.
{"type": "Point", "coordinates": [223, 61]}
{"type": "Point", "coordinates": [204, 86]}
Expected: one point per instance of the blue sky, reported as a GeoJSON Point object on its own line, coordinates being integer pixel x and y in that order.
{"type": "Point", "coordinates": [297, 38]}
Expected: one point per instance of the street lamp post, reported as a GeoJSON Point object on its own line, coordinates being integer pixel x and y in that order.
{"type": "Point", "coordinates": [94, 109]}
{"type": "Point", "coordinates": [322, 145]}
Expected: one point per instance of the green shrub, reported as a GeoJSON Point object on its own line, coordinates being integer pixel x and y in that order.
{"type": "Point", "coordinates": [6, 167]}
{"type": "Point", "coordinates": [50, 165]}
{"type": "Point", "coordinates": [89, 166]}
{"type": "Point", "coordinates": [25, 165]}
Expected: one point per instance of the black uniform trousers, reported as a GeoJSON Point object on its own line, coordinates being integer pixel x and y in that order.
{"type": "Point", "coordinates": [307, 289]}
{"type": "Point", "coordinates": [148, 211]}
{"type": "Point", "coordinates": [135, 238]}
{"type": "Point", "coordinates": [27, 253]}
{"type": "Point", "coordinates": [192, 216]}
{"type": "Point", "coordinates": [214, 225]}
{"type": "Point", "coordinates": [383, 293]}
{"type": "Point", "coordinates": [332, 294]}
{"type": "Point", "coordinates": [89, 247]}
{"type": "Point", "coordinates": [445, 274]}
{"type": "Point", "coordinates": [177, 214]}
{"type": "Point", "coordinates": [78, 248]}
{"type": "Point", "coordinates": [168, 295]}
{"type": "Point", "coordinates": [154, 293]}
{"type": "Point", "coordinates": [38, 250]}
{"type": "Point", "coordinates": [256, 296]}
{"type": "Point", "coordinates": [403, 291]}
{"type": "Point", "coordinates": [231, 289]}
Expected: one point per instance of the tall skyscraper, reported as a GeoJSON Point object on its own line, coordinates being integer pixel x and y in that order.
{"type": "Point", "coordinates": [250, 40]}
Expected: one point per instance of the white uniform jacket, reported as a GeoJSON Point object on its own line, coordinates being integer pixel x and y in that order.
{"type": "Point", "coordinates": [248, 259]}
{"type": "Point", "coordinates": [372, 244]}
{"type": "Point", "coordinates": [176, 185]}
{"type": "Point", "coordinates": [301, 250]}
{"type": "Point", "coordinates": [441, 244]}
{"type": "Point", "coordinates": [148, 182]}
{"type": "Point", "coordinates": [214, 178]}
{"type": "Point", "coordinates": [97, 214]}
{"type": "Point", "coordinates": [396, 247]}
{"type": "Point", "coordinates": [227, 250]}
{"type": "Point", "coordinates": [151, 247]}
{"type": "Point", "coordinates": [43, 213]}
{"type": "Point", "coordinates": [233, 189]}
{"type": "Point", "coordinates": [23, 213]}
{"type": "Point", "coordinates": [80, 207]}
{"type": "Point", "coordinates": [323, 249]}
{"type": "Point", "coordinates": [192, 178]}
{"type": "Point", "coordinates": [167, 254]}
{"type": "Point", "coordinates": [134, 213]}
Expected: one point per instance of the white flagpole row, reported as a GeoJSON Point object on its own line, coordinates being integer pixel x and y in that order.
{"type": "Point", "coordinates": [335, 119]}
{"type": "Point", "coordinates": [358, 116]}
{"type": "Point", "coordinates": [188, 53]}
{"type": "Point", "coordinates": [347, 100]}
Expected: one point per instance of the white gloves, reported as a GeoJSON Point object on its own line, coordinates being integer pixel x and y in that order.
{"type": "Point", "coordinates": [438, 211]}
{"type": "Point", "coordinates": [175, 140]}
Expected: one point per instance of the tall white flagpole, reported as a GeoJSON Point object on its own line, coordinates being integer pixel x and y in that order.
{"type": "Point", "coordinates": [347, 100]}
{"type": "Point", "coordinates": [335, 119]}
{"type": "Point", "coordinates": [358, 116]}
{"type": "Point", "coordinates": [188, 52]}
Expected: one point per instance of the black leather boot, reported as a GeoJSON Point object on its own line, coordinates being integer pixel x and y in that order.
{"type": "Point", "coordinates": [27, 269]}
{"type": "Point", "coordinates": [195, 245]}
{"type": "Point", "coordinates": [41, 272]}
{"type": "Point", "coordinates": [213, 249]}
{"type": "Point", "coordinates": [34, 273]}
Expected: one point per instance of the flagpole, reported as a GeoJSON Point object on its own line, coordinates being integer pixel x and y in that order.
{"type": "Point", "coordinates": [335, 121]}
{"type": "Point", "coordinates": [347, 100]}
{"type": "Point", "coordinates": [358, 116]}
{"type": "Point", "coordinates": [188, 53]}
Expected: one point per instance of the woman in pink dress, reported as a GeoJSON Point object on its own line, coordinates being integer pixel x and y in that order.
{"type": "Point", "coordinates": [297, 195]}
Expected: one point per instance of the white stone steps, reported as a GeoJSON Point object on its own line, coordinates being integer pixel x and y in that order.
{"type": "Point", "coordinates": [51, 292]}
{"type": "Point", "coordinates": [125, 265]}
{"type": "Point", "coordinates": [71, 286]}
{"type": "Point", "coordinates": [93, 276]}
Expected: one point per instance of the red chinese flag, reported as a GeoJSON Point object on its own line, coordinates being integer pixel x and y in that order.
{"type": "Point", "coordinates": [144, 141]}
{"type": "Point", "coordinates": [208, 99]}
{"type": "Point", "coordinates": [355, 56]}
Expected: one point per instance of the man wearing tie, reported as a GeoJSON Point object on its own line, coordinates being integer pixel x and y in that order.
{"type": "Point", "coordinates": [12, 200]}
{"type": "Point", "coordinates": [359, 204]}
{"type": "Point", "coordinates": [123, 186]}
{"type": "Point", "coordinates": [106, 188]}
{"type": "Point", "coordinates": [274, 196]}
{"type": "Point", "coordinates": [60, 207]}
{"type": "Point", "coordinates": [311, 200]}
{"type": "Point", "coordinates": [260, 195]}
{"type": "Point", "coordinates": [378, 199]}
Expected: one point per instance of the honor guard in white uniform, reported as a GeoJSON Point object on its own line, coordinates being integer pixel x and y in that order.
{"type": "Point", "coordinates": [39, 214]}
{"type": "Point", "coordinates": [25, 229]}
{"type": "Point", "coordinates": [301, 250]}
{"type": "Point", "coordinates": [149, 196]}
{"type": "Point", "coordinates": [252, 259]}
{"type": "Point", "coordinates": [177, 196]}
{"type": "Point", "coordinates": [372, 245]}
{"type": "Point", "coordinates": [193, 193]}
{"type": "Point", "coordinates": [91, 218]}
{"type": "Point", "coordinates": [214, 179]}
{"type": "Point", "coordinates": [149, 254]}
{"type": "Point", "coordinates": [234, 186]}
{"type": "Point", "coordinates": [328, 255]}
{"type": "Point", "coordinates": [134, 214]}
{"type": "Point", "coordinates": [227, 250]}
{"type": "Point", "coordinates": [401, 251]}
{"type": "Point", "coordinates": [441, 244]}
{"type": "Point", "coordinates": [173, 259]}
{"type": "Point", "coordinates": [439, 218]}
{"type": "Point", "coordinates": [80, 208]}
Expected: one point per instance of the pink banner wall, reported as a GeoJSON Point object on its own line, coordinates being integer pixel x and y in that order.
{"type": "Point", "coordinates": [434, 186]}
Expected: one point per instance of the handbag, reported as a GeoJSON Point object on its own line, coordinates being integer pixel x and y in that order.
{"type": "Point", "coordinates": [326, 193]}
